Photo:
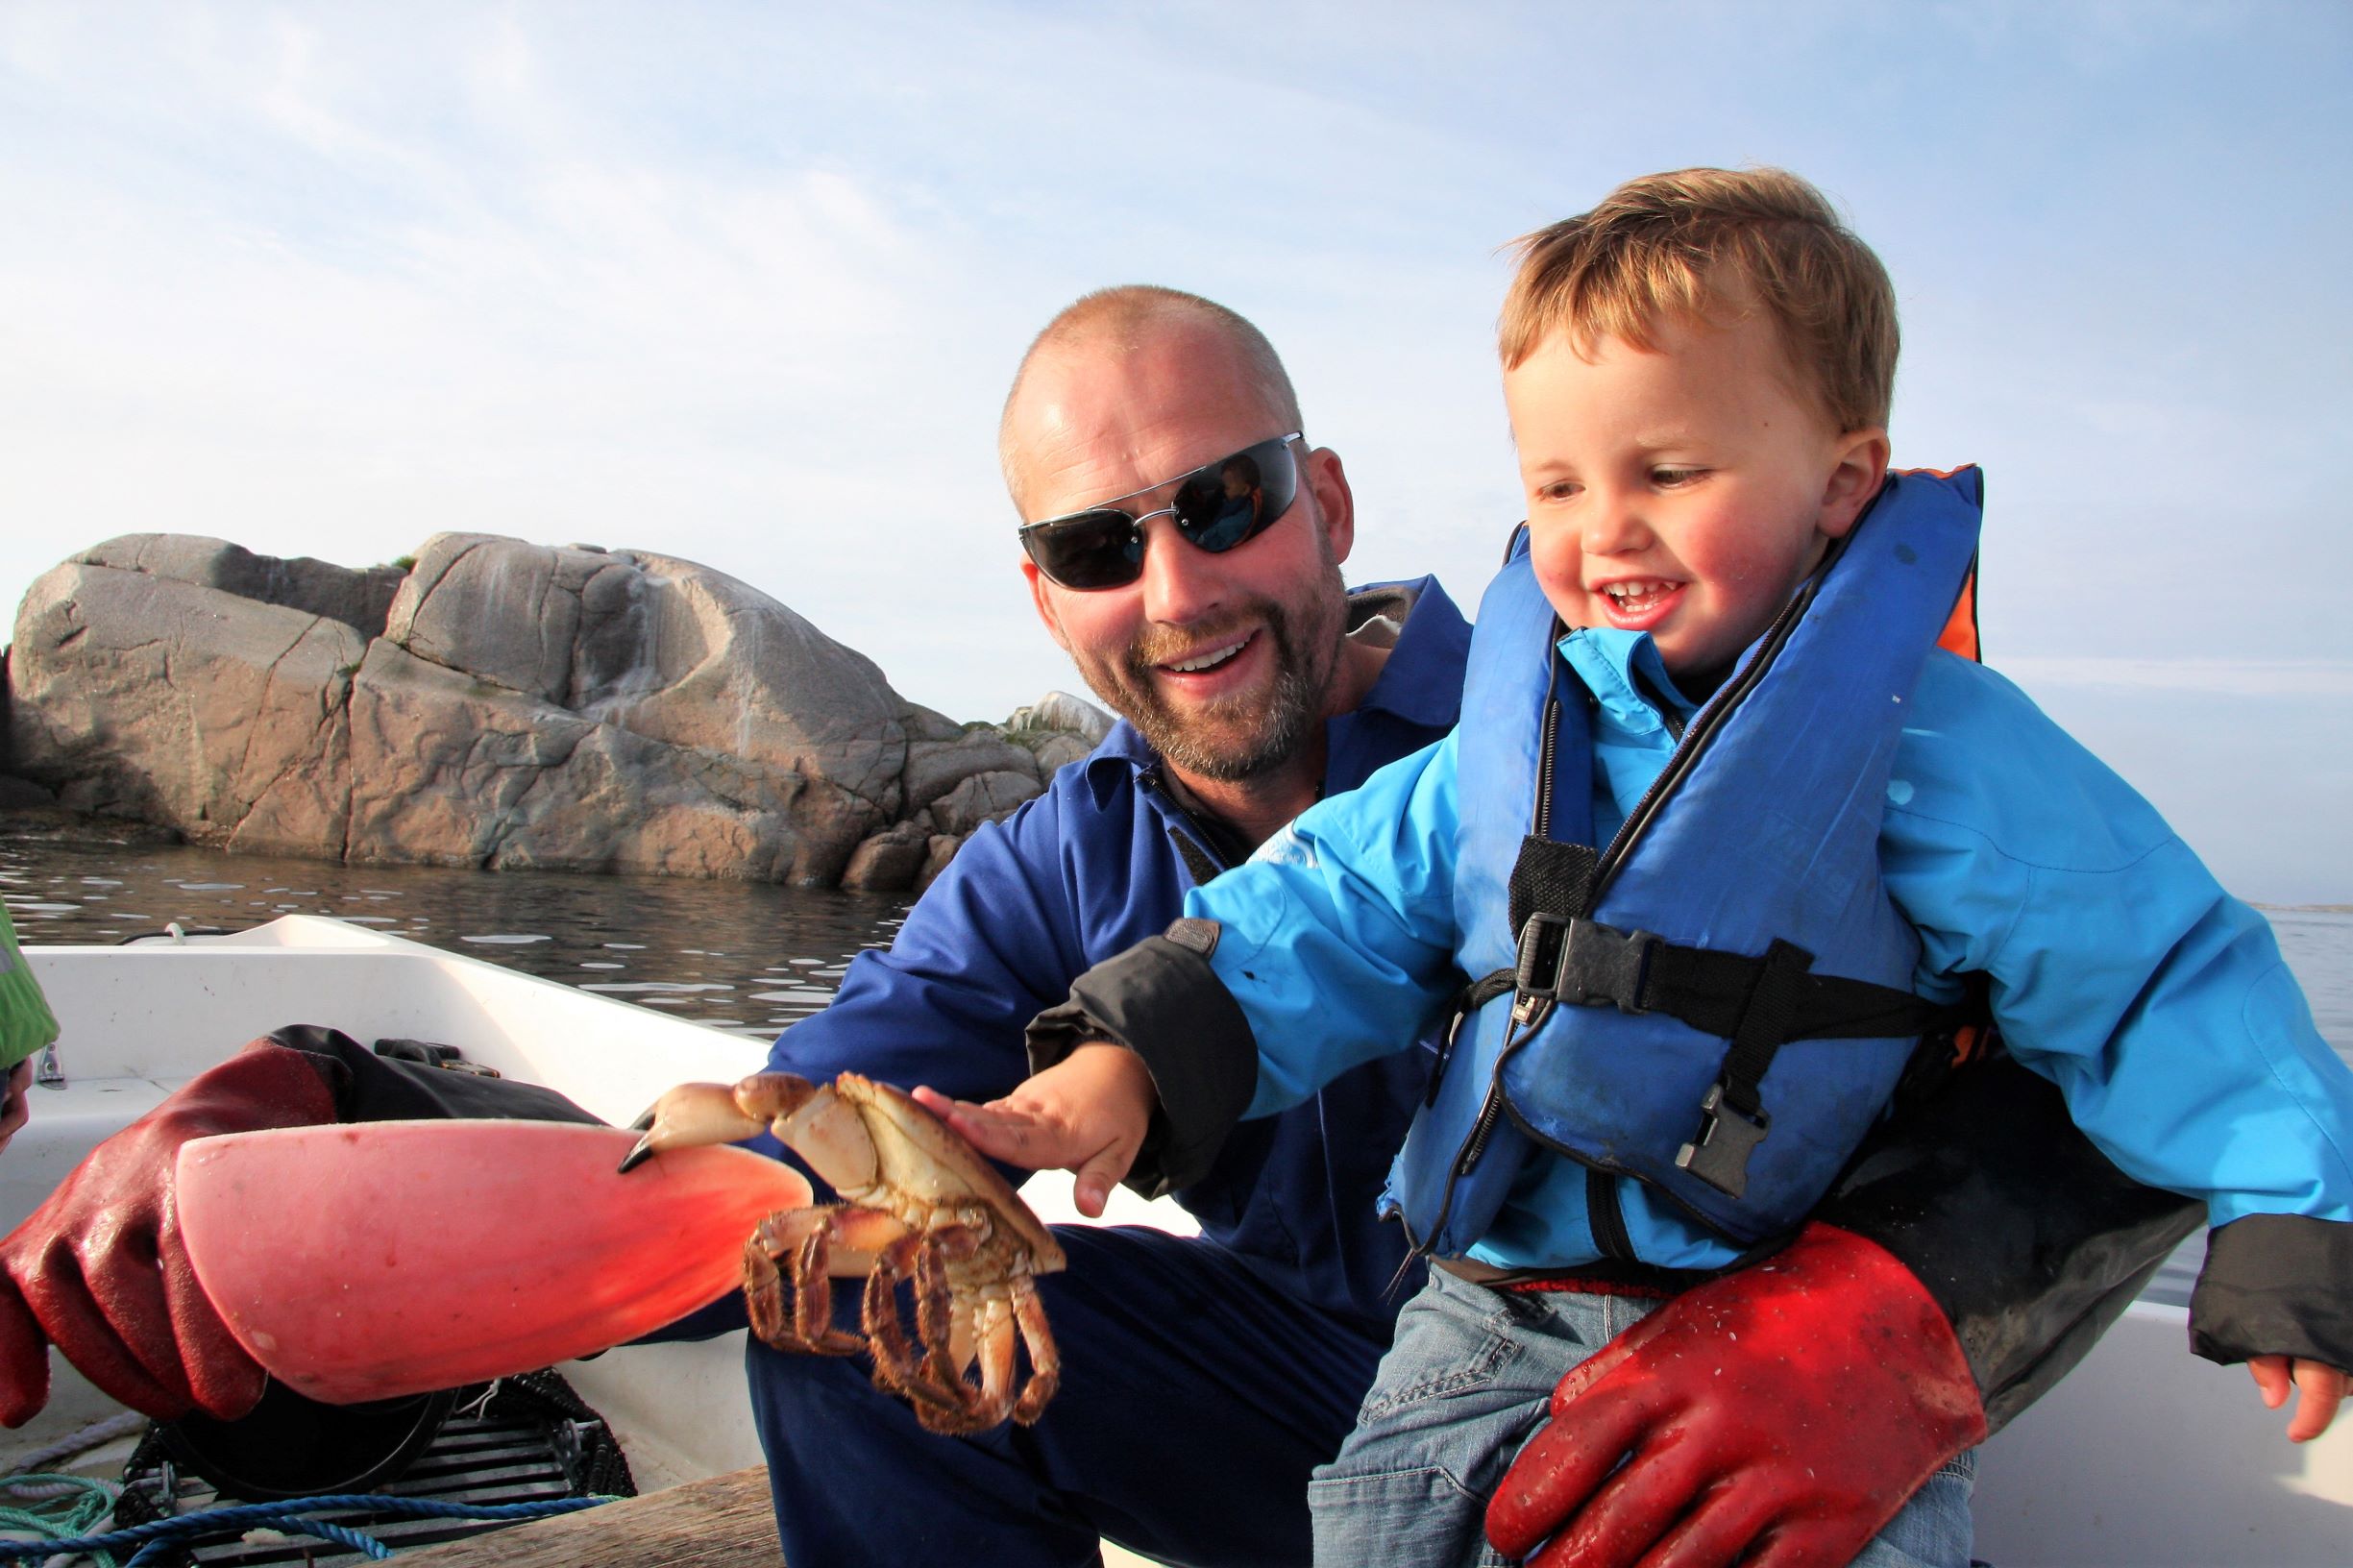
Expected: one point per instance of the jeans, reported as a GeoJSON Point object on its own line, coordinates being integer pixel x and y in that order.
{"type": "Point", "coordinates": [1464, 1385]}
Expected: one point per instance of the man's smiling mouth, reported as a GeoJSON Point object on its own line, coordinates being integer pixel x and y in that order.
{"type": "Point", "coordinates": [1209, 661]}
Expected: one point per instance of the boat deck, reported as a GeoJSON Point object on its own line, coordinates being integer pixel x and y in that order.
{"type": "Point", "coordinates": [703, 1524]}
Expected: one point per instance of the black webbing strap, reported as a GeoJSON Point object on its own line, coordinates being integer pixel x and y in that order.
{"type": "Point", "coordinates": [1550, 875]}
{"type": "Point", "coordinates": [1757, 1003]}
{"type": "Point", "coordinates": [1770, 1018]}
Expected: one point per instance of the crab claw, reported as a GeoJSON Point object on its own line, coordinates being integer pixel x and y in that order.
{"type": "Point", "coordinates": [688, 1114]}
{"type": "Point", "coordinates": [694, 1113]}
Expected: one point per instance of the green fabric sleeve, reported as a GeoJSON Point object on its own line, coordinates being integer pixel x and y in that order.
{"type": "Point", "coordinates": [26, 1023]}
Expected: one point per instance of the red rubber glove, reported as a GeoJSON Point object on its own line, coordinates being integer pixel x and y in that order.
{"type": "Point", "coordinates": [99, 1269]}
{"type": "Point", "coordinates": [1788, 1410]}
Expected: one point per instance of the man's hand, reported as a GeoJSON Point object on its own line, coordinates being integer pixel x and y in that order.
{"type": "Point", "coordinates": [1087, 1113]}
{"type": "Point", "coordinates": [14, 1112]}
{"type": "Point", "coordinates": [1777, 1416]}
{"type": "Point", "coordinates": [99, 1268]}
{"type": "Point", "coordinates": [2321, 1387]}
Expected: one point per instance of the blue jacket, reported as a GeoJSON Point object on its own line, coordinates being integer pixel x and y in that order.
{"type": "Point", "coordinates": [1087, 869]}
{"type": "Point", "coordinates": [2119, 969]}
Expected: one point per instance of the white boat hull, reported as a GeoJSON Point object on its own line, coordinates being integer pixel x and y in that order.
{"type": "Point", "coordinates": [2143, 1455]}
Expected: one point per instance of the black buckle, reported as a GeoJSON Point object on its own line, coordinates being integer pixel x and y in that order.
{"type": "Point", "coordinates": [1720, 1155]}
{"type": "Point", "coordinates": [1584, 963]}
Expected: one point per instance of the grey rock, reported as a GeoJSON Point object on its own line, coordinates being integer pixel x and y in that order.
{"type": "Point", "coordinates": [23, 794]}
{"type": "Point", "coordinates": [889, 862]}
{"type": "Point", "coordinates": [1061, 711]}
{"type": "Point", "coordinates": [142, 695]}
{"type": "Point", "coordinates": [525, 705]}
{"type": "Point", "coordinates": [934, 767]}
{"type": "Point", "coordinates": [499, 704]}
{"type": "Point", "coordinates": [938, 853]}
{"type": "Point", "coordinates": [451, 770]}
{"type": "Point", "coordinates": [981, 798]}
{"type": "Point", "coordinates": [360, 599]}
{"type": "Point", "coordinates": [1060, 750]}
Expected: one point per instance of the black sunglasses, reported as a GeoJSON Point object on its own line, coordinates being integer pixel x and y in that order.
{"type": "Point", "coordinates": [1216, 508]}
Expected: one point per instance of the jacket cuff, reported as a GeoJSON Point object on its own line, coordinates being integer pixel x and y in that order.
{"type": "Point", "coordinates": [2031, 1240]}
{"type": "Point", "coordinates": [2273, 1285]}
{"type": "Point", "coordinates": [1161, 1000]}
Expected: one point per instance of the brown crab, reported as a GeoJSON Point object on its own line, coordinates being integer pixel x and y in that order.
{"type": "Point", "coordinates": [918, 1204]}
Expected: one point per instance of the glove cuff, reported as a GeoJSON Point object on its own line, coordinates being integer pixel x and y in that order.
{"type": "Point", "coordinates": [264, 1084]}
{"type": "Point", "coordinates": [1864, 1284]}
{"type": "Point", "coordinates": [2030, 1240]}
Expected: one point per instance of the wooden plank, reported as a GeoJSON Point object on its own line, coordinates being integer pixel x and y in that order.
{"type": "Point", "coordinates": [705, 1524]}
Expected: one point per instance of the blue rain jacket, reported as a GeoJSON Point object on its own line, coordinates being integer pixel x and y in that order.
{"type": "Point", "coordinates": [2119, 968]}
{"type": "Point", "coordinates": [1087, 870]}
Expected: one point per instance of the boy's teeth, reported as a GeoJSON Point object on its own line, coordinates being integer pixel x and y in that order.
{"type": "Point", "coordinates": [1209, 659]}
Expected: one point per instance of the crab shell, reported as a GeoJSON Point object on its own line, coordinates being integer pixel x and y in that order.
{"type": "Point", "coordinates": [918, 1207]}
{"type": "Point", "coordinates": [879, 1149]}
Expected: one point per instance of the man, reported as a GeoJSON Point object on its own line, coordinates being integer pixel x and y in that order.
{"type": "Point", "coordinates": [1204, 1378]}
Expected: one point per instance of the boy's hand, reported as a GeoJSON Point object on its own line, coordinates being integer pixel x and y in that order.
{"type": "Point", "coordinates": [1087, 1113]}
{"type": "Point", "coordinates": [2323, 1388]}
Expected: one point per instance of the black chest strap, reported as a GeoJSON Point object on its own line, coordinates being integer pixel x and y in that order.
{"type": "Point", "coordinates": [1757, 1003]}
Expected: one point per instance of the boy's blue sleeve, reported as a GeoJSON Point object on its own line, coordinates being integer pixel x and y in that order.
{"type": "Point", "coordinates": [1337, 936]}
{"type": "Point", "coordinates": [2119, 968]}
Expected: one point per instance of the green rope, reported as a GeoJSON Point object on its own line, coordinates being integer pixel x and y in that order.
{"type": "Point", "coordinates": [75, 1504]}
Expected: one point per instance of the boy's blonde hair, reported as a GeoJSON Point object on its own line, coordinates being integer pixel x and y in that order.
{"type": "Point", "coordinates": [1697, 243]}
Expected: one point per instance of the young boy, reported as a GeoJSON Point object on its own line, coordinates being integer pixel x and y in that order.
{"type": "Point", "coordinates": [1714, 782]}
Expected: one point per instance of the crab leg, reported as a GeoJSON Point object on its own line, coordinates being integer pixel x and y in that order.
{"type": "Point", "coordinates": [1044, 1357]}
{"type": "Point", "coordinates": [929, 1381]}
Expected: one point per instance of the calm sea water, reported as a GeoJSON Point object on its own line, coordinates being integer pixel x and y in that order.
{"type": "Point", "coordinates": [749, 959]}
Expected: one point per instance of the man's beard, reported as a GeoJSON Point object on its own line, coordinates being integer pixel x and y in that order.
{"type": "Point", "coordinates": [1242, 737]}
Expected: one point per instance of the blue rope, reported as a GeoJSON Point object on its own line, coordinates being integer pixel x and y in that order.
{"type": "Point", "coordinates": [291, 1514]}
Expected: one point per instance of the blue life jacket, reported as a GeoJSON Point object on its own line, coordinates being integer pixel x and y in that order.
{"type": "Point", "coordinates": [1736, 1058]}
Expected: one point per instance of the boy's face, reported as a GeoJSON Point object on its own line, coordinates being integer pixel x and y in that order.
{"type": "Point", "coordinates": [1684, 492]}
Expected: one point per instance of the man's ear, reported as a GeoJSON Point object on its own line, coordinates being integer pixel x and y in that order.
{"type": "Point", "coordinates": [1861, 466]}
{"type": "Point", "coordinates": [1040, 594]}
{"type": "Point", "coordinates": [1336, 505]}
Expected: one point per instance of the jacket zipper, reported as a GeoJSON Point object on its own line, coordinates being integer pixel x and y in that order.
{"type": "Point", "coordinates": [1202, 841]}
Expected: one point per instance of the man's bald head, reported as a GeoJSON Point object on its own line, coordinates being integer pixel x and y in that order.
{"type": "Point", "coordinates": [1114, 322]}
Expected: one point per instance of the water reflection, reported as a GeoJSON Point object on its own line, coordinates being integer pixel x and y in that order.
{"type": "Point", "coordinates": [745, 958]}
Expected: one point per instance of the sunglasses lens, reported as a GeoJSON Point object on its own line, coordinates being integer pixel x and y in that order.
{"type": "Point", "coordinates": [1233, 500]}
{"type": "Point", "coordinates": [1093, 549]}
{"type": "Point", "coordinates": [1216, 508]}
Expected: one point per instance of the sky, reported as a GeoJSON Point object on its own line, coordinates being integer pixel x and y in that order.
{"type": "Point", "coordinates": [745, 284]}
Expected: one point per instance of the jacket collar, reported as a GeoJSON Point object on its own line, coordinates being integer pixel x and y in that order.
{"type": "Point", "coordinates": [1626, 675]}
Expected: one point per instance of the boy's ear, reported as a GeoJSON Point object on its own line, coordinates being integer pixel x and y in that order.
{"type": "Point", "coordinates": [1861, 458]}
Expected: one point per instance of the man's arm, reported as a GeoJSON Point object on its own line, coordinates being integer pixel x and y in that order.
{"type": "Point", "coordinates": [1331, 947]}
{"type": "Point", "coordinates": [992, 941]}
